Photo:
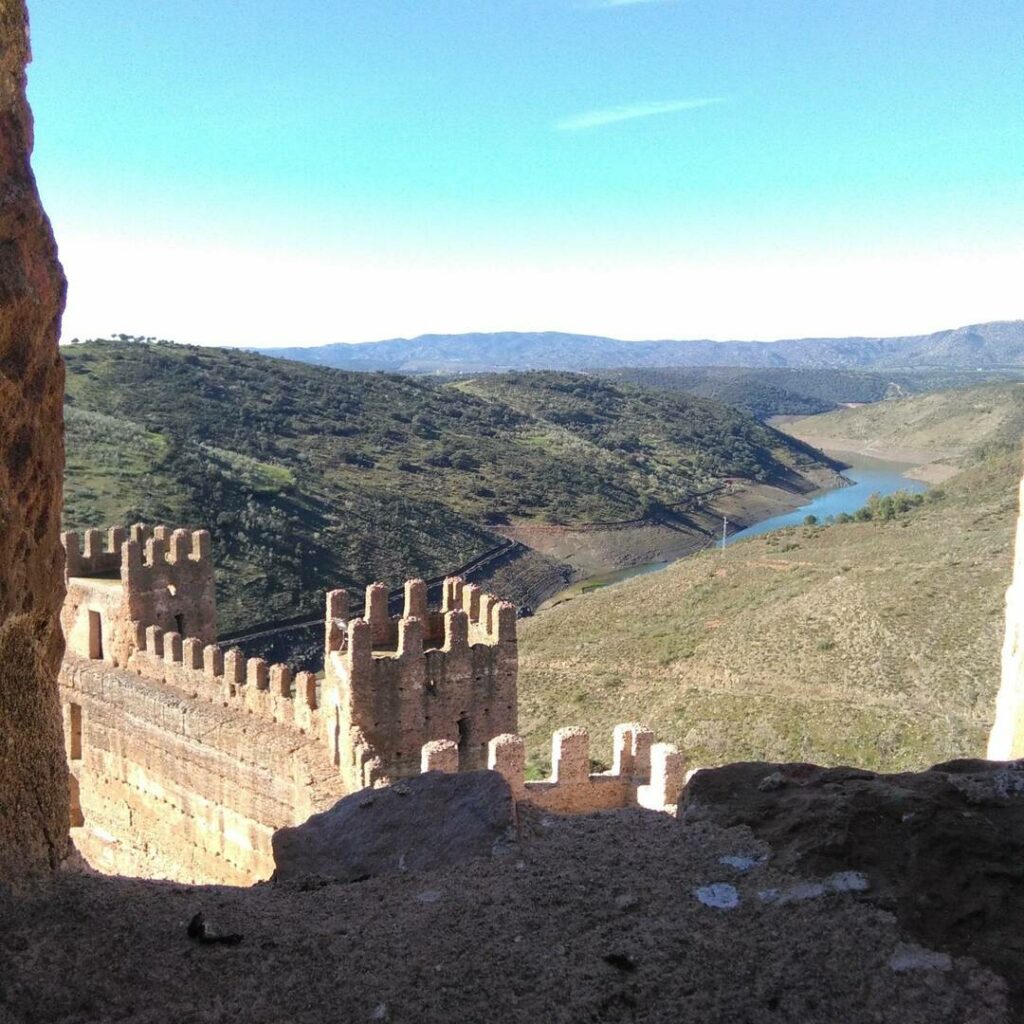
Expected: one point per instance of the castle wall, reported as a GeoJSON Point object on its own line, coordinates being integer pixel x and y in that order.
{"type": "Point", "coordinates": [644, 773]}
{"type": "Point", "coordinates": [1006, 741]}
{"type": "Point", "coordinates": [171, 786]}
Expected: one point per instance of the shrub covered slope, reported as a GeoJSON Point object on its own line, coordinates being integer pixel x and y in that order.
{"type": "Point", "coordinates": [311, 477]}
{"type": "Point", "coordinates": [873, 642]}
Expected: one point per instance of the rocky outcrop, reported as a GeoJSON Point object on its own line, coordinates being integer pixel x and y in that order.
{"type": "Point", "coordinates": [420, 824]}
{"type": "Point", "coordinates": [943, 849]}
{"type": "Point", "coordinates": [33, 772]}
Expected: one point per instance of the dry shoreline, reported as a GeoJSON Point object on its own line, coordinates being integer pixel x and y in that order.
{"type": "Point", "coordinates": [930, 465]}
{"type": "Point", "coordinates": [588, 550]}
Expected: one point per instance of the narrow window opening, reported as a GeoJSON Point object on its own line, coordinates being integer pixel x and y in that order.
{"type": "Point", "coordinates": [75, 754]}
{"type": "Point", "coordinates": [179, 621]}
{"type": "Point", "coordinates": [95, 636]}
{"type": "Point", "coordinates": [75, 732]}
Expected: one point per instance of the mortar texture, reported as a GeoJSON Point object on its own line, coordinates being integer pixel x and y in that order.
{"type": "Point", "coordinates": [33, 774]}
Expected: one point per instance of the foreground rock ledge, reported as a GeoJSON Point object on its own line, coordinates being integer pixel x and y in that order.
{"type": "Point", "coordinates": [607, 917]}
{"type": "Point", "coordinates": [942, 849]}
{"type": "Point", "coordinates": [423, 823]}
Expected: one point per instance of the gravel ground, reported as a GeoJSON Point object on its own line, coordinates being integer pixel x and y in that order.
{"type": "Point", "coordinates": [625, 916]}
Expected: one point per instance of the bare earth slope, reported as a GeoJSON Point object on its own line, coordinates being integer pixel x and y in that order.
{"type": "Point", "coordinates": [942, 425]}
{"type": "Point", "coordinates": [871, 643]}
{"type": "Point", "coordinates": [595, 918]}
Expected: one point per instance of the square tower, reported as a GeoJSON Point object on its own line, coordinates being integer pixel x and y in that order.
{"type": "Point", "coordinates": [152, 577]}
{"type": "Point", "coordinates": [394, 683]}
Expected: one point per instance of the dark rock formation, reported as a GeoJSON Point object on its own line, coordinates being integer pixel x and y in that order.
{"type": "Point", "coordinates": [942, 849]}
{"type": "Point", "coordinates": [33, 771]}
{"type": "Point", "coordinates": [423, 823]}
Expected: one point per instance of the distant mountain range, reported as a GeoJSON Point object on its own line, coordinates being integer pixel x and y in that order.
{"type": "Point", "coordinates": [979, 346]}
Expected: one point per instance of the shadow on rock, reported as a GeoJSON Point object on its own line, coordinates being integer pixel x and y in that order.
{"type": "Point", "coordinates": [422, 823]}
{"type": "Point", "coordinates": [943, 849]}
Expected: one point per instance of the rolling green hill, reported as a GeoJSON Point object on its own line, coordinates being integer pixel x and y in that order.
{"type": "Point", "coordinates": [869, 643]}
{"type": "Point", "coordinates": [946, 423]}
{"type": "Point", "coordinates": [311, 477]}
{"type": "Point", "coordinates": [783, 391]}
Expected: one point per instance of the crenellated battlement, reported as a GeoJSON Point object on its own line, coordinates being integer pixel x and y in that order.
{"type": "Point", "coordinates": [401, 681]}
{"type": "Point", "coordinates": [644, 773]}
{"type": "Point", "coordinates": [153, 575]}
{"type": "Point", "coordinates": [270, 692]}
{"type": "Point", "coordinates": [488, 620]}
{"type": "Point", "coordinates": [93, 553]}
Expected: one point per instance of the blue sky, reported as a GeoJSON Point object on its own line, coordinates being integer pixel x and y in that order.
{"type": "Point", "coordinates": [271, 172]}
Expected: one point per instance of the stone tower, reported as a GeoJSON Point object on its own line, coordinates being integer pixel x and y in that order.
{"type": "Point", "coordinates": [151, 576]}
{"type": "Point", "coordinates": [392, 684]}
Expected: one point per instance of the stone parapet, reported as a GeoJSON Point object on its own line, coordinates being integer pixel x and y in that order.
{"type": "Point", "coordinates": [230, 679]}
{"type": "Point", "coordinates": [644, 774]}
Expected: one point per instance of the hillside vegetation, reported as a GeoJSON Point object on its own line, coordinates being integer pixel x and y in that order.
{"type": "Point", "coordinates": [948, 423]}
{"type": "Point", "coordinates": [311, 478]}
{"type": "Point", "coordinates": [778, 391]}
{"type": "Point", "coordinates": [870, 643]}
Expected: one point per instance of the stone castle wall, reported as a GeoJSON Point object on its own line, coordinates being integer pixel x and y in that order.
{"type": "Point", "coordinates": [171, 784]}
{"type": "Point", "coordinates": [185, 758]}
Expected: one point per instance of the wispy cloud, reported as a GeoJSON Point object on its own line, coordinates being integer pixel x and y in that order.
{"type": "Point", "coordinates": [630, 111]}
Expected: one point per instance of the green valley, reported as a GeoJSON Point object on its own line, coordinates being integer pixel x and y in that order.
{"type": "Point", "coordinates": [311, 477]}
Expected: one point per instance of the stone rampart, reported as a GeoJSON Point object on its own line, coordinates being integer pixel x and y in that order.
{"type": "Point", "coordinates": [644, 773]}
{"type": "Point", "coordinates": [249, 686]}
{"type": "Point", "coordinates": [166, 785]}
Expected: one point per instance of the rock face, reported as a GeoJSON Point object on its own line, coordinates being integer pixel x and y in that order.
{"type": "Point", "coordinates": [1007, 736]}
{"type": "Point", "coordinates": [942, 849]}
{"type": "Point", "coordinates": [420, 824]}
{"type": "Point", "coordinates": [33, 772]}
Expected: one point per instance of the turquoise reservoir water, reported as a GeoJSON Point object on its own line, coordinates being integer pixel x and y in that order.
{"type": "Point", "coordinates": [869, 476]}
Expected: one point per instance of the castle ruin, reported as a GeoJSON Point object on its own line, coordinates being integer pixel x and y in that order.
{"type": "Point", "coordinates": [186, 758]}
